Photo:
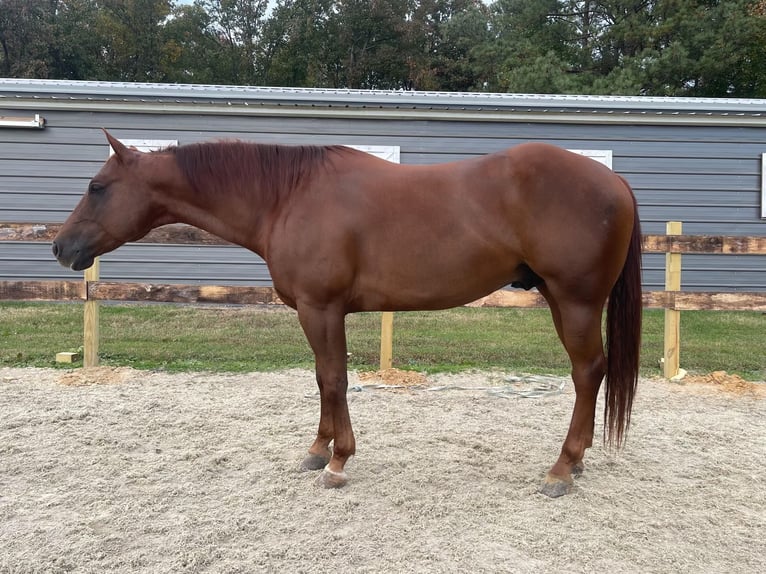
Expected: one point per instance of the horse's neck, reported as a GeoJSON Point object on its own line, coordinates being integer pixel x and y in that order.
{"type": "Point", "coordinates": [233, 216]}
{"type": "Point", "coordinates": [234, 189]}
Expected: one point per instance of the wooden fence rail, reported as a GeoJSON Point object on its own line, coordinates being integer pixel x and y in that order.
{"type": "Point", "coordinates": [184, 235]}
{"type": "Point", "coordinates": [230, 295]}
{"type": "Point", "coordinates": [92, 290]}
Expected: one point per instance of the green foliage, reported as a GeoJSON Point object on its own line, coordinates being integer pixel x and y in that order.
{"type": "Point", "coordinates": [650, 47]}
{"type": "Point", "coordinates": [24, 27]}
{"type": "Point", "coordinates": [131, 34]}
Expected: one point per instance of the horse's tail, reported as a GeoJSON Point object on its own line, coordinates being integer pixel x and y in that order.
{"type": "Point", "coordinates": [623, 339]}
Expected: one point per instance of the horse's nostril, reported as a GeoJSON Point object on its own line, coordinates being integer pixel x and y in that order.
{"type": "Point", "coordinates": [55, 249]}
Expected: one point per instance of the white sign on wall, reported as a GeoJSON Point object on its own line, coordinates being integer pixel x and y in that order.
{"type": "Point", "coordinates": [603, 156]}
{"type": "Point", "coordinates": [386, 152]}
{"type": "Point", "coordinates": [146, 145]}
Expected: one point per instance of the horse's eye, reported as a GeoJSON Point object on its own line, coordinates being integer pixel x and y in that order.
{"type": "Point", "coordinates": [96, 188]}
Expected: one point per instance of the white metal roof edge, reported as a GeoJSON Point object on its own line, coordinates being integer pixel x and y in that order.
{"type": "Point", "coordinates": [210, 98]}
{"type": "Point", "coordinates": [42, 106]}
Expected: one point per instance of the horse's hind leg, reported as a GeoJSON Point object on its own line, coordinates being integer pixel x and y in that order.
{"type": "Point", "coordinates": [578, 325]}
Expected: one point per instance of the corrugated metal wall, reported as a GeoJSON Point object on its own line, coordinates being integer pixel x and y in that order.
{"type": "Point", "coordinates": [707, 177]}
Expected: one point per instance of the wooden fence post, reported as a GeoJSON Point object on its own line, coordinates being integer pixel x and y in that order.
{"type": "Point", "coordinates": [671, 358]}
{"type": "Point", "coordinates": [90, 320]}
{"type": "Point", "coordinates": [386, 340]}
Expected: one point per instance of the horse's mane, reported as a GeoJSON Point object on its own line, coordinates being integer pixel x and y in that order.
{"type": "Point", "coordinates": [230, 165]}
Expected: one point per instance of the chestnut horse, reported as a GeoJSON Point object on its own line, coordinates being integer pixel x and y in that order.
{"type": "Point", "coordinates": [343, 231]}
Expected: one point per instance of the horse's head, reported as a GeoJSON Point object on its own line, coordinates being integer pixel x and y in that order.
{"type": "Point", "coordinates": [123, 203]}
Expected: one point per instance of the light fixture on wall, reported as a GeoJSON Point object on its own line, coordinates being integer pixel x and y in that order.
{"type": "Point", "coordinates": [36, 122]}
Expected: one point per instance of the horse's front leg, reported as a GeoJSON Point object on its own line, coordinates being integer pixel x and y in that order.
{"type": "Point", "coordinates": [319, 452]}
{"type": "Point", "coordinates": [325, 330]}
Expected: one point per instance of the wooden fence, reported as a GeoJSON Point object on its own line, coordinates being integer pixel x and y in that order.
{"type": "Point", "coordinates": [92, 290]}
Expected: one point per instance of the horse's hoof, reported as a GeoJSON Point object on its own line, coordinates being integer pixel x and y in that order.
{"type": "Point", "coordinates": [554, 487]}
{"type": "Point", "coordinates": [330, 479]}
{"type": "Point", "coordinates": [578, 469]}
{"type": "Point", "coordinates": [314, 462]}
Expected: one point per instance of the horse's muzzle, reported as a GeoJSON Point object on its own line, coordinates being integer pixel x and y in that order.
{"type": "Point", "coordinates": [71, 256]}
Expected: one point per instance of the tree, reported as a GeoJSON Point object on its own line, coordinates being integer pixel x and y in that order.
{"type": "Point", "coordinates": [74, 45]}
{"type": "Point", "coordinates": [442, 35]}
{"type": "Point", "coordinates": [192, 52]}
{"type": "Point", "coordinates": [297, 48]}
{"type": "Point", "coordinates": [368, 39]}
{"type": "Point", "coordinates": [237, 27]}
{"type": "Point", "coordinates": [663, 47]}
{"type": "Point", "coordinates": [131, 38]}
{"type": "Point", "coordinates": [706, 48]}
{"type": "Point", "coordinates": [24, 33]}
{"type": "Point", "coordinates": [532, 48]}
{"type": "Point", "coordinates": [424, 44]}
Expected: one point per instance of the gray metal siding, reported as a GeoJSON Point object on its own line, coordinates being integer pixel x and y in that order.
{"type": "Point", "coordinates": [709, 177]}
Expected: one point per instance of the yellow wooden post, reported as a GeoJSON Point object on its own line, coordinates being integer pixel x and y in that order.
{"type": "Point", "coordinates": [386, 340]}
{"type": "Point", "coordinates": [90, 335]}
{"type": "Point", "coordinates": [671, 362]}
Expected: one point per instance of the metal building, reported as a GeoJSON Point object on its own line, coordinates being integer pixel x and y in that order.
{"type": "Point", "coordinates": [694, 160]}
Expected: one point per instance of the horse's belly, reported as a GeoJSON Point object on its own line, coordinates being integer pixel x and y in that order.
{"type": "Point", "coordinates": [425, 288]}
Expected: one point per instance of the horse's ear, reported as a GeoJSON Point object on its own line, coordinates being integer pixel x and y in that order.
{"type": "Point", "coordinates": [123, 153]}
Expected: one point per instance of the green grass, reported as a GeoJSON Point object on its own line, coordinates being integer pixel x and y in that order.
{"type": "Point", "coordinates": [178, 338]}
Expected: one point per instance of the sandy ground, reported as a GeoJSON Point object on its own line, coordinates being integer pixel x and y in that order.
{"type": "Point", "coordinates": [124, 471]}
